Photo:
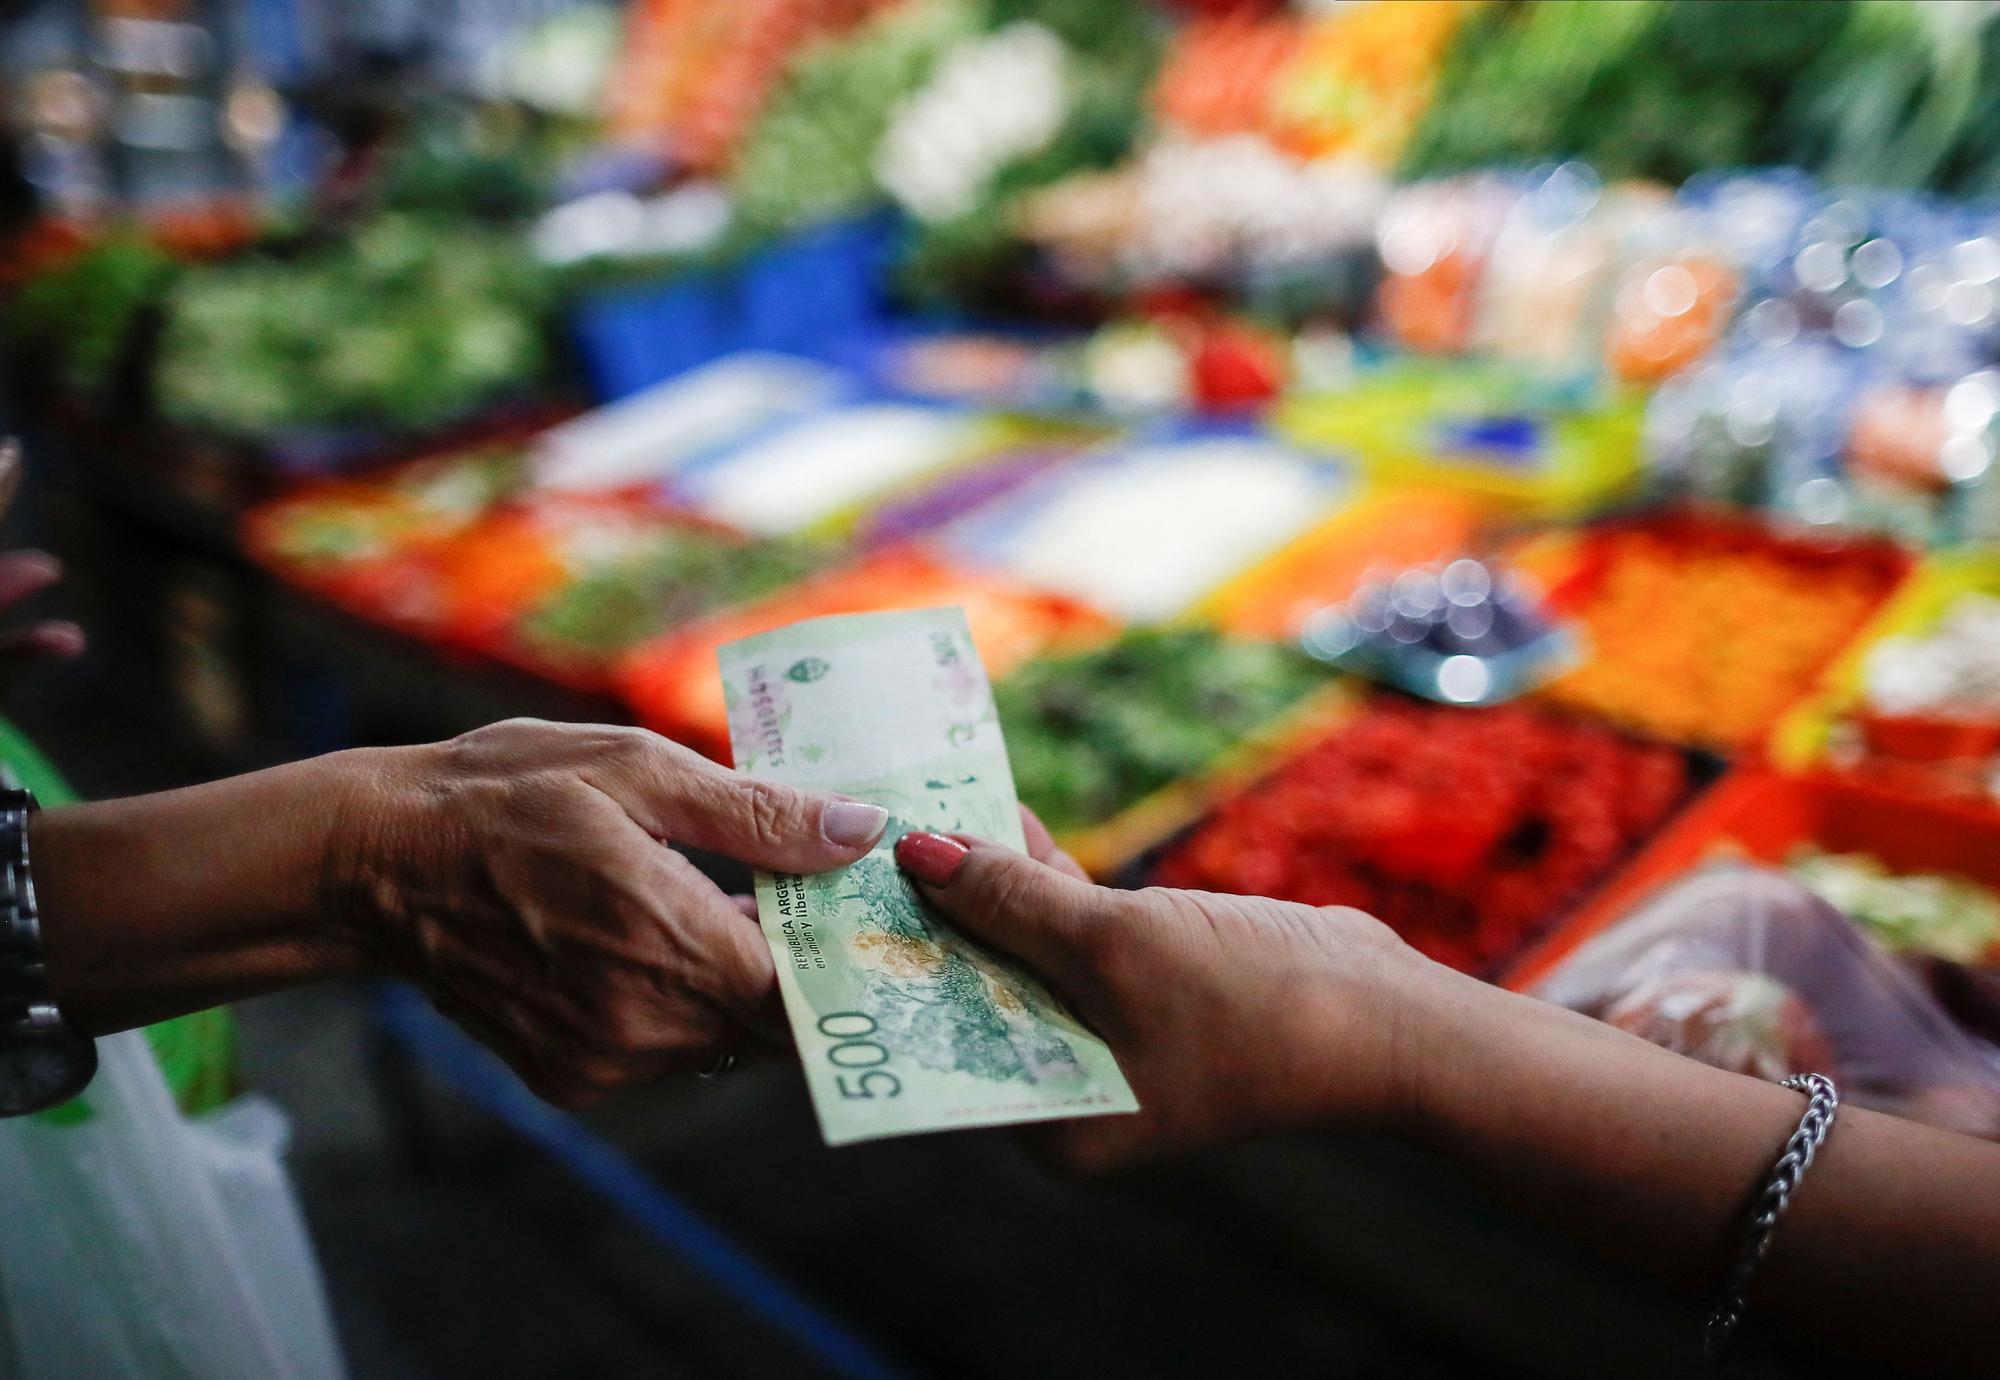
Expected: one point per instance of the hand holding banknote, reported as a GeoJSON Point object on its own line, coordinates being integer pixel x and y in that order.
{"type": "Point", "coordinates": [1231, 1015]}
{"type": "Point", "coordinates": [902, 1024]}
{"type": "Point", "coordinates": [521, 875]}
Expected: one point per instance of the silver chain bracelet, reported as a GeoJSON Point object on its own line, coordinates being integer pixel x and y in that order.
{"type": "Point", "coordinates": [1823, 1102]}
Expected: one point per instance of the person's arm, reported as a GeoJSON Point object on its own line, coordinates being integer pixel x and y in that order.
{"type": "Point", "coordinates": [157, 905]}
{"type": "Point", "coordinates": [1892, 1242]}
{"type": "Point", "coordinates": [1234, 1016]}
{"type": "Point", "coordinates": [520, 874]}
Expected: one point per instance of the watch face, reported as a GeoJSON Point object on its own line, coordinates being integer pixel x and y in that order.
{"type": "Point", "coordinates": [40, 1071]}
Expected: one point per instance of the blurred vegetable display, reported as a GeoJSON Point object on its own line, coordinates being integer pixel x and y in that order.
{"type": "Point", "coordinates": [1092, 733]}
{"type": "Point", "coordinates": [1647, 88]}
{"type": "Point", "coordinates": [408, 322]}
{"type": "Point", "coordinates": [1305, 328]}
{"type": "Point", "coordinates": [562, 584]}
{"type": "Point", "coordinates": [1109, 51]}
{"type": "Point", "coordinates": [1951, 917]}
{"type": "Point", "coordinates": [1466, 830]}
{"type": "Point", "coordinates": [695, 73]}
{"type": "Point", "coordinates": [1705, 633]}
{"type": "Point", "coordinates": [810, 153]}
{"type": "Point", "coordinates": [79, 319]}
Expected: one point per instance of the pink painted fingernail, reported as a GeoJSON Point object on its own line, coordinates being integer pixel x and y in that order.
{"type": "Point", "coordinates": [931, 858]}
{"type": "Point", "coordinates": [853, 824]}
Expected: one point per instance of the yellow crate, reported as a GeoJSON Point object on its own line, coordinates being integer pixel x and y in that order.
{"type": "Point", "coordinates": [1386, 423]}
{"type": "Point", "coordinates": [1937, 583]}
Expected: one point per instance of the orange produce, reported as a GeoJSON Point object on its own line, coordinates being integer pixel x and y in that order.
{"type": "Point", "coordinates": [1704, 630]}
{"type": "Point", "coordinates": [1220, 73]}
{"type": "Point", "coordinates": [1667, 316]}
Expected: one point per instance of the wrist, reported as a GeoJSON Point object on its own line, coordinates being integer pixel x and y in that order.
{"type": "Point", "coordinates": [383, 815]}
{"type": "Point", "coordinates": [1444, 1028]}
{"type": "Point", "coordinates": [161, 904]}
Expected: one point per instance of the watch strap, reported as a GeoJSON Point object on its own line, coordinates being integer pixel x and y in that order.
{"type": "Point", "coordinates": [31, 1022]}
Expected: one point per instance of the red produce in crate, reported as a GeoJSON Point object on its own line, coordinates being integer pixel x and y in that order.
{"type": "Point", "coordinates": [1466, 830]}
{"type": "Point", "coordinates": [1237, 367]}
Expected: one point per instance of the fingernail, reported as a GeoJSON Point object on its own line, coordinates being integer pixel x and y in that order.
{"type": "Point", "coordinates": [852, 824]}
{"type": "Point", "coordinates": [930, 858]}
{"type": "Point", "coordinates": [58, 639]}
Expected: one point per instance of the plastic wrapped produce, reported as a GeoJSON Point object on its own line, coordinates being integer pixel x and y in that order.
{"type": "Point", "coordinates": [1742, 1022]}
{"type": "Point", "coordinates": [1755, 217]}
{"type": "Point", "coordinates": [1675, 298]}
{"type": "Point", "coordinates": [1545, 297]}
{"type": "Point", "coordinates": [1763, 426]}
{"type": "Point", "coordinates": [1889, 1043]}
{"type": "Point", "coordinates": [1434, 239]}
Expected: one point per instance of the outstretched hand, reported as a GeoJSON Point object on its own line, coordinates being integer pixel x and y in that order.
{"type": "Point", "coordinates": [1230, 1015]}
{"type": "Point", "coordinates": [522, 876]}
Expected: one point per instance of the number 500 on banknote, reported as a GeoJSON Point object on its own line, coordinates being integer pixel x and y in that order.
{"type": "Point", "coordinates": [903, 1025]}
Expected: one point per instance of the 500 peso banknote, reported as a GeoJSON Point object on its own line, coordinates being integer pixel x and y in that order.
{"type": "Point", "coordinates": [903, 1025]}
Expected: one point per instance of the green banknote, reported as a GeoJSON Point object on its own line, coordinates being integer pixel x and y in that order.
{"type": "Point", "coordinates": [902, 1024]}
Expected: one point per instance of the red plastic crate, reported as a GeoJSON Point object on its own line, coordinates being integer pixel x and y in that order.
{"type": "Point", "coordinates": [1764, 815]}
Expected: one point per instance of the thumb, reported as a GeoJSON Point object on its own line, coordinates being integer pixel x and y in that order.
{"type": "Point", "coordinates": [676, 795]}
{"type": "Point", "coordinates": [1007, 899]}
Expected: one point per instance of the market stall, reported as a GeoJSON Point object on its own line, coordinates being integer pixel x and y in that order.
{"type": "Point", "coordinates": [1507, 468]}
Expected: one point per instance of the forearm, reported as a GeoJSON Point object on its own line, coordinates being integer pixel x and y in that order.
{"type": "Point", "coordinates": [1892, 1242]}
{"type": "Point", "coordinates": [163, 904]}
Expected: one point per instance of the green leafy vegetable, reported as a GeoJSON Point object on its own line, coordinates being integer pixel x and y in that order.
{"type": "Point", "coordinates": [81, 318]}
{"type": "Point", "coordinates": [410, 322]}
{"type": "Point", "coordinates": [1092, 733]}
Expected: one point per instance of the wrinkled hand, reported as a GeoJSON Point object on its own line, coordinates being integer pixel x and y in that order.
{"type": "Point", "coordinates": [1230, 1015]}
{"type": "Point", "coordinates": [521, 876]}
{"type": "Point", "coordinates": [23, 575]}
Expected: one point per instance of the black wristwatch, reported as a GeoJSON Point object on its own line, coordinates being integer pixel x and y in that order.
{"type": "Point", "coordinates": [43, 1058]}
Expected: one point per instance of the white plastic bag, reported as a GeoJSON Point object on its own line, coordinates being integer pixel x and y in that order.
{"type": "Point", "coordinates": [137, 1245]}
{"type": "Point", "coordinates": [1892, 1045]}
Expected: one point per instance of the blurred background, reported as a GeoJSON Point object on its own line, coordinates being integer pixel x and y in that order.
{"type": "Point", "coordinates": [1524, 469]}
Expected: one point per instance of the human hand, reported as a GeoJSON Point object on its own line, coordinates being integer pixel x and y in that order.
{"type": "Point", "coordinates": [23, 575]}
{"type": "Point", "coordinates": [1230, 1015]}
{"type": "Point", "coordinates": [521, 876]}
